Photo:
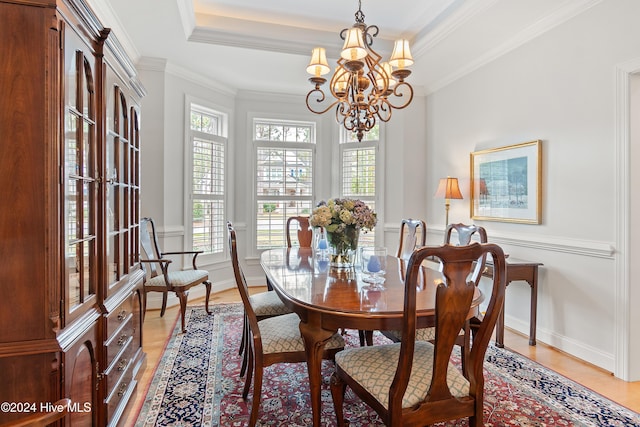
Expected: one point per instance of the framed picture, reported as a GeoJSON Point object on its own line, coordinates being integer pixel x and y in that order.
{"type": "Point", "coordinates": [506, 183]}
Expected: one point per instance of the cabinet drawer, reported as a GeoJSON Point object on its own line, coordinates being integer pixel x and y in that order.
{"type": "Point", "coordinates": [120, 391]}
{"type": "Point", "coordinates": [119, 316]}
{"type": "Point", "coordinates": [120, 365]}
{"type": "Point", "coordinates": [119, 341]}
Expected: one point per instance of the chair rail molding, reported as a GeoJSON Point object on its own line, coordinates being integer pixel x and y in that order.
{"type": "Point", "coordinates": [597, 249]}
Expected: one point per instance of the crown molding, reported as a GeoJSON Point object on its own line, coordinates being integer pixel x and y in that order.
{"type": "Point", "coordinates": [148, 63]}
{"type": "Point", "coordinates": [199, 79]}
{"type": "Point", "coordinates": [187, 16]}
{"type": "Point", "coordinates": [261, 36]}
{"type": "Point", "coordinates": [565, 12]}
{"type": "Point", "coordinates": [424, 42]}
{"type": "Point", "coordinates": [106, 15]}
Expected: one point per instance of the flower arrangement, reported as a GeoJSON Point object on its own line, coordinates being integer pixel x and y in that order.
{"type": "Point", "coordinates": [337, 215]}
{"type": "Point", "coordinates": [342, 219]}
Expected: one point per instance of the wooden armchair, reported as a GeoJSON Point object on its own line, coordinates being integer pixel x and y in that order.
{"type": "Point", "coordinates": [415, 383]}
{"type": "Point", "coordinates": [275, 339]}
{"type": "Point", "coordinates": [160, 279]}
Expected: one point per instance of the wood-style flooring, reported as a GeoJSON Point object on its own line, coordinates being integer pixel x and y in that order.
{"type": "Point", "coordinates": [157, 330]}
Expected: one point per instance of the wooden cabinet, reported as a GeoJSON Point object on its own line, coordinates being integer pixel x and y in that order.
{"type": "Point", "coordinates": [70, 278]}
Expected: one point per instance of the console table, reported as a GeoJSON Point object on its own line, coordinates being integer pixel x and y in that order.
{"type": "Point", "coordinates": [518, 270]}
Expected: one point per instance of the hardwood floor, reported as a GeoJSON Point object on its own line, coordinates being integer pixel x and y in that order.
{"type": "Point", "coordinates": [157, 330]}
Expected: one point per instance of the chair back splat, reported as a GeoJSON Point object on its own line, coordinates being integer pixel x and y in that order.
{"type": "Point", "coordinates": [415, 383]}
{"type": "Point", "coordinates": [304, 231]}
{"type": "Point", "coordinates": [465, 234]}
{"type": "Point", "coordinates": [413, 233]}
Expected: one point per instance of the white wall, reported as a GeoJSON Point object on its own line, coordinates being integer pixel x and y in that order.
{"type": "Point", "coordinates": [560, 88]}
{"type": "Point", "coordinates": [163, 137]}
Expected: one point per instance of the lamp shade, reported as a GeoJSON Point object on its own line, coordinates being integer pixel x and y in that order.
{"type": "Point", "coordinates": [448, 189]}
{"type": "Point", "coordinates": [401, 56]}
{"type": "Point", "coordinates": [353, 48]}
{"type": "Point", "coordinates": [385, 77]}
{"type": "Point", "coordinates": [341, 81]}
{"type": "Point", "coordinates": [318, 65]}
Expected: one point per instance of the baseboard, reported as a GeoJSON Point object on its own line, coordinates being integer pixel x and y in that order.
{"type": "Point", "coordinates": [567, 345]}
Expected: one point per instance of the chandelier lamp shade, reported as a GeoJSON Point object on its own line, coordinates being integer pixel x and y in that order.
{"type": "Point", "coordinates": [363, 88]}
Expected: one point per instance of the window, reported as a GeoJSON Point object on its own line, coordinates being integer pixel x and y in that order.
{"type": "Point", "coordinates": [358, 173]}
{"type": "Point", "coordinates": [208, 148]}
{"type": "Point", "coordinates": [285, 152]}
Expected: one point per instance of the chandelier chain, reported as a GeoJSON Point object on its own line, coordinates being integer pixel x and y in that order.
{"type": "Point", "coordinates": [359, 13]}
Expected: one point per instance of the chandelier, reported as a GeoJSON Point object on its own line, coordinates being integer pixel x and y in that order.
{"type": "Point", "coordinates": [365, 89]}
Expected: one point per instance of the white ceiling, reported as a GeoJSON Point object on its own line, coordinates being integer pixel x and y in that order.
{"type": "Point", "coordinates": [264, 45]}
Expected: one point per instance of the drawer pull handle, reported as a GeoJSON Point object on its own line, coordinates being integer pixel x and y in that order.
{"type": "Point", "coordinates": [122, 315]}
{"type": "Point", "coordinates": [122, 365]}
{"type": "Point", "coordinates": [122, 389]}
{"type": "Point", "coordinates": [122, 340]}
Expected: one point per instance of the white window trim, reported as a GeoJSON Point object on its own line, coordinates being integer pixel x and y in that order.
{"type": "Point", "coordinates": [253, 251]}
{"type": "Point", "coordinates": [226, 126]}
{"type": "Point", "coordinates": [379, 198]}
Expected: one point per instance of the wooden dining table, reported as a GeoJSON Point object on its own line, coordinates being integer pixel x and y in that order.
{"type": "Point", "coordinates": [328, 299]}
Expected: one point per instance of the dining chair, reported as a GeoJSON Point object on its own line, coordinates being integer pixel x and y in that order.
{"type": "Point", "coordinates": [275, 339]}
{"type": "Point", "coordinates": [413, 233]}
{"type": "Point", "coordinates": [304, 232]}
{"type": "Point", "coordinates": [464, 235]}
{"type": "Point", "coordinates": [303, 235]}
{"type": "Point", "coordinates": [265, 305]}
{"type": "Point", "coordinates": [417, 382]}
{"type": "Point", "coordinates": [156, 265]}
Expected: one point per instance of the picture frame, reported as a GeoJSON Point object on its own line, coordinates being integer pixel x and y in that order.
{"type": "Point", "coordinates": [506, 183]}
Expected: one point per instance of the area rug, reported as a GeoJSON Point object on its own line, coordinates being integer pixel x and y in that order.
{"type": "Point", "coordinates": [196, 383]}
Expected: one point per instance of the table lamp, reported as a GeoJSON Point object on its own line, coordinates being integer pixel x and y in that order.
{"type": "Point", "coordinates": [448, 189]}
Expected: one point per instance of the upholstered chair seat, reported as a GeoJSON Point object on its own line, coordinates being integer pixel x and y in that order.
{"type": "Point", "coordinates": [267, 304]}
{"type": "Point", "coordinates": [179, 279]}
{"type": "Point", "coordinates": [375, 367]}
{"type": "Point", "coordinates": [281, 334]}
{"type": "Point", "coordinates": [422, 334]}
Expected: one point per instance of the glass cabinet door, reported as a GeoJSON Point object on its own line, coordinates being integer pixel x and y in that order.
{"type": "Point", "coordinates": [80, 174]}
{"type": "Point", "coordinates": [134, 188]}
{"type": "Point", "coordinates": [123, 192]}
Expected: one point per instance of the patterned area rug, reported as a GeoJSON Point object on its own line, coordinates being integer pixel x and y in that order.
{"type": "Point", "coordinates": [197, 384]}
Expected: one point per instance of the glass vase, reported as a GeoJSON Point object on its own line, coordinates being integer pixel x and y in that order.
{"type": "Point", "coordinates": [342, 247]}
